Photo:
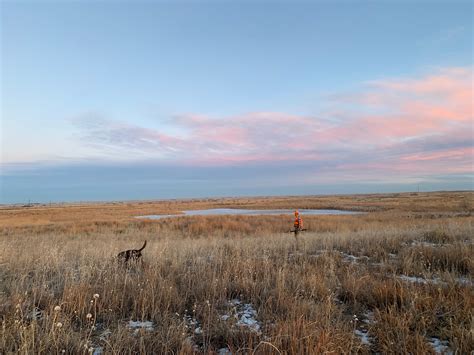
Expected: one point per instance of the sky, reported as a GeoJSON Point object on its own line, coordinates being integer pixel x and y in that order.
{"type": "Point", "coordinates": [125, 100]}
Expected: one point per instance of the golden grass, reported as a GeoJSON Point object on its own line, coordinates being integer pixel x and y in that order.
{"type": "Point", "coordinates": [40, 214]}
{"type": "Point", "coordinates": [305, 294]}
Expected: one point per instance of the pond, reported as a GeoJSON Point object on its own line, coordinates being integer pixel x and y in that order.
{"type": "Point", "coordinates": [246, 212]}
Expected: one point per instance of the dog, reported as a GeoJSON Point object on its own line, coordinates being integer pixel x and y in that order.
{"type": "Point", "coordinates": [134, 255]}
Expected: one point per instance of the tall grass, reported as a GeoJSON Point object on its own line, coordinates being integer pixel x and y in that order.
{"type": "Point", "coordinates": [61, 290]}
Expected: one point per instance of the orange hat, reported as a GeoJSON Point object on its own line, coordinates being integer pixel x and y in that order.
{"type": "Point", "coordinates": [296, 212]}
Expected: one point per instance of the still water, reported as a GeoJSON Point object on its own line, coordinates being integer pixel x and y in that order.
{"type": "Point", "coordinates": [245, 212]}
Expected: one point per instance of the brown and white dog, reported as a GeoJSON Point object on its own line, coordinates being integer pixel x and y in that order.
{"type": "Point", "coordinates": [131, 255]}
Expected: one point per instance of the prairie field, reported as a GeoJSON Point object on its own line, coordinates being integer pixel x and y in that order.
{"type": "Point", "coordinates": [394, 279]}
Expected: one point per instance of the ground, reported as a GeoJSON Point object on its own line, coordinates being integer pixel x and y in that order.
{"type": "Point", "coordinates": [397, 279]}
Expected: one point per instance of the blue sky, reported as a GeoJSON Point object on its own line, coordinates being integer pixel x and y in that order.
{"type": "Point", "coordinates": [250, 97]}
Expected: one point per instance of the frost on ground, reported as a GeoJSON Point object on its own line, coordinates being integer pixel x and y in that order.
{"type": "Point", "coordinates": [440, 346]}
{"type": "Point", "coordinates": [136, 326]}
{"type": "Point", "coordinates": [244, 315]}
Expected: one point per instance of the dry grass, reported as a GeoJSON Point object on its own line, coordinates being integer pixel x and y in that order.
{"type": "Point", "coordinates": [40, 214]}
{"type": "Point", "coordinates": [305, 294]}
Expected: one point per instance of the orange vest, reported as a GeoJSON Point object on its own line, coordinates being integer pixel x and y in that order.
{"type": "Point", "coordinates": [298, 222]}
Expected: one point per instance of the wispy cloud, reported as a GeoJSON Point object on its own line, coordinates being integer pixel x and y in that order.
{"type": "Point", "coordinates": [412, 125]}
{"type": "Point", "coordinates": [395, 130]}
{"type": "Point", "coordinates": [259, 136]}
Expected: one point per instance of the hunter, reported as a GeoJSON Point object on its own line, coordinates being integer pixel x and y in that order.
{"type": "Point", "coordinates": [298, 224]}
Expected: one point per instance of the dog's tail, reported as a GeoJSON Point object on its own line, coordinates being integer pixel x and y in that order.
{"type": "Point", "coordinates": [143, 247]}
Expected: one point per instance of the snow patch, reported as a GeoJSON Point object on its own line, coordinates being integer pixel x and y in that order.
{"type": "Point", "coordinates": [194, 327]}
{"type": "Point", "coordinates": [295, 255]}
{"type": "Point", "coordinates": [440, 346]}
{"type": "Point", "coordinates": [414, 279]}
{"type": "Point", "coordinates": [435, 280]}
{"type": "Point", "coordinates": [243, 314]}
{"type": "Point", "coordinates": [192, 323]}
{"type": "Point", "coordinates": [145, 325]}
{"type": "Point", "coordinates": [198, 331]}
{"type": "Point", "coordinates": [363, 336]}
{"type": "Point", "coordinates": [352, 258]}
{"type": "Point", "coordinates": [421, 243]}
{"type": "Point", "coordinates": [105, 334]}
{"type": "Point", "coordinates": [224, 351]}
{"type": "Point", "coordinates": [317, 253]}
{"type": "Point", "coordinates": [425, 244]}
{"type": "Point", "coordinates": [98, 351]}
{"type": "Point", "coordinates": [192, 344]}
{"type": "Point", "coordinates": [36, 314]}
{"type": "Point", "coordinates": [465, 281]}
{"type": "Point", "coordinates": [369, 317]}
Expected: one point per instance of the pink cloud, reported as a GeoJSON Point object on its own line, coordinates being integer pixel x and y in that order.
{"type": "Point", "coordinates": [444, 81]}
{"type": "Point", "coordinates": [402, 108]}
{"type": "Point", "coordinates": [418, 125]}
{"type": "Point", "coordinates": [466, 153]}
